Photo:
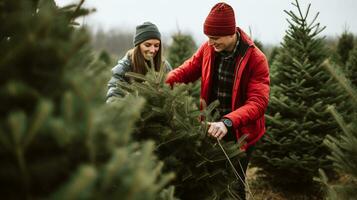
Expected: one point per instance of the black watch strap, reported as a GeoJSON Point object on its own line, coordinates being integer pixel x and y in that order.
{"type": "Point", "coordinates": [227, 122]}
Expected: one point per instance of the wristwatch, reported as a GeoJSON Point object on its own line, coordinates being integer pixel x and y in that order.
{"type": "Point", "coordinates": [227, 122]}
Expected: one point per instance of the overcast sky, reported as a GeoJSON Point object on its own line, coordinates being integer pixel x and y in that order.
{"type": "Point", "coordinates": [265, 18]}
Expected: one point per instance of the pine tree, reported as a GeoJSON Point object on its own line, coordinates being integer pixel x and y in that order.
{"type": "Point", "coordinates": [183, 46]}
{"type": "Point", "coordinates": [292, 152]}
{"type": "Point", "coordinates": [344, 46]}
{"type": "Point", "coordinates": [273, 54]}
{"type": "Point", "coordinates": [58, 140]}
{"type": "Point", "coordinates": [343, 147]}
{"type": "Point", "coordinates": [351, 67]}
{"type": "Point", "coordinates": [171, 118]}
{"type": "Point", "coordinates": [259, 44]}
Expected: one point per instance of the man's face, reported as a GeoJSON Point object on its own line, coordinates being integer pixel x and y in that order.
{"type": "Point", "coordinates": [222, 43]}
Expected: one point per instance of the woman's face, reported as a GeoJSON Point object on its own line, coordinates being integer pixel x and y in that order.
{"type": "Point", "coordinates": [149, 48]}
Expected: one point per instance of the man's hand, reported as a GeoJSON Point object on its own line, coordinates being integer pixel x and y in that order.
{"type": "Point", "coordinates": [217, 129]}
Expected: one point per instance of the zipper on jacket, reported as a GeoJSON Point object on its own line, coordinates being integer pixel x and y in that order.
{"type": "Point", "coordinates": [239, 64]}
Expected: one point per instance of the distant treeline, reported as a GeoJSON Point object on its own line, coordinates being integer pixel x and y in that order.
{"type": "Point", "coordinates": [116, 42]}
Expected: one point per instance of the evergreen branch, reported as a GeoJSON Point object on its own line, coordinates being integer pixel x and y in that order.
{"type": "Point", "coordinates": [68, 7]}
{"type": "Point", "coordinates": [313, 21]}
{"type": "Point", "coordinates": [43, 111]}
{"type": "Point", "coordinates": [164, 181]}
{"type": "Point", "coordinates": [241, 140]}
{"type": "Point", "coordinates": [239, 178]}
{"type": "Point", "coordinates": [202, 176]}
{"type": "Point", "coordinates": [232, 192]}
{"type": "Point", "coordinates": [307, 11]}
{"type": "Point", "coordinates": [299, 10]}
{"type": "Point", "coordinates": [124, 87]}
{"type": "Point", "coordinates": [4, 141]}
{"type": "Point", "coordinates": [293, 17]}
{"type": "Point", "coordinates": [161, 75]}
{"type": "Point", "coordinates": [136, 76]}
{"type": "Point", "coordinates": [82, 181]}
{"type": "Point", "coordinates": [230, 162]}
{"type": "Point", "coordinates": [112, 167]}
{"type": "Point", "coordinates": [268, 117]}
{"type": "Point", "coordinates": [206, 159]}
{"type": "Point", "coordinates": [171, 140]}
{"type": "Point", "coordinates": [341, 80]}
{"type": "Point", "coordinates": [74, 14]}
{"type": "Point", "coordinates": [78, 90]}
{"type": "Point", "coordinates": [318, 30]}
{"type": "Point", "coordinates": [17, 122]}
{"type": "Point", "coordinates": [339, 120]}
{"type": "Point", "coordinates": [181, 121]}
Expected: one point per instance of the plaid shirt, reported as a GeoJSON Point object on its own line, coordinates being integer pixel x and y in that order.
{"type": "Point", "coordinates": [223, 79]}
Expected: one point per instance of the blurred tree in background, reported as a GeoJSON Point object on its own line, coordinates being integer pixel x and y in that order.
{"type": "Point", "coordinates": [344, 46]}
{"type": "Point", "coordinates": [292, 152]}
{"type": "Point", "coordinates": [115, 42]}
{"type": "Point", "coordinates": [58, 140]}
{"type": "Point", "coordinates": [260, 45]}
{"type": "Point", "coordinates": [273, 54]}
{"type": "Point", "coordinates": [351, 67]}
{"type": "Point", "coordinates": [182, 47]}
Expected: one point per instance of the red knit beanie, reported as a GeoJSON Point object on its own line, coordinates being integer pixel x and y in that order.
{"type": "Point", "coordinates": [220, 21]}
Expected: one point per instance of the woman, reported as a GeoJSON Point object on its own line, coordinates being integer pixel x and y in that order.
{"type": "Point", "coordinates": [147, 46]}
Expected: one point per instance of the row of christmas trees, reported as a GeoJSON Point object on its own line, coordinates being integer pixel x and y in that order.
{"type": "Point", "coordinates": [301, 130]}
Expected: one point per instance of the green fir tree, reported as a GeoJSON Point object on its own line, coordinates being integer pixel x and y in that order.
{"type": "Point", "coordinates": [344, 46]}
{"type": "Point", "coordinates": [351, 67]}
{"type": "Point", "coordinates": [259, 44]}
{"type": "Point", "coordinates": [58, 140]}
{"type": "Point", "coordinates": [343, 147]}
{"type": "Point", "coordinates": [183, 46]}
{"type": "Point", "coordinates": [293, 151]}
{"type": "Point", "coordinates": [171, 118]}
{"type": "Point", "coordinates": [273, 54]}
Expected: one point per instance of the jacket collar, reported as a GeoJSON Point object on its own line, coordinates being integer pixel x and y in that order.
{"type": "Point", "coordinates": [245, 42]}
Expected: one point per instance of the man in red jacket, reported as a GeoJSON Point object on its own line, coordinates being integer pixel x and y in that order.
{"type": "Point", "coordinates": [234, 71]}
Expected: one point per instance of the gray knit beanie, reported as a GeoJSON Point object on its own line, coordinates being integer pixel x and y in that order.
{"type": "Point", "coordinates": [146, 31]}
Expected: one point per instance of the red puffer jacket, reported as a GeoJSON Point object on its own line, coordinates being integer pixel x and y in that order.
{"type": "Point", "coordinates": [250, 90]}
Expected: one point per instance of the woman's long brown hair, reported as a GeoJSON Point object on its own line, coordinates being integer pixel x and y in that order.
{"type": "Point", "coordinates": [139, 62]}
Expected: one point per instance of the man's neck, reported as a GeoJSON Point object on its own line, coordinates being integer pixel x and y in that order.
{"type": "Point", "coordinates": [233, 44]}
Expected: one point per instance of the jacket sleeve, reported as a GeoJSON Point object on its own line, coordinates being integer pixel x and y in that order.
{"type": "Point", "coordinates": [189, 71]}
{"type": "Point", "coordinates": [118, 74]}
{"type": "Point", "coordinates": [257, 95]}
